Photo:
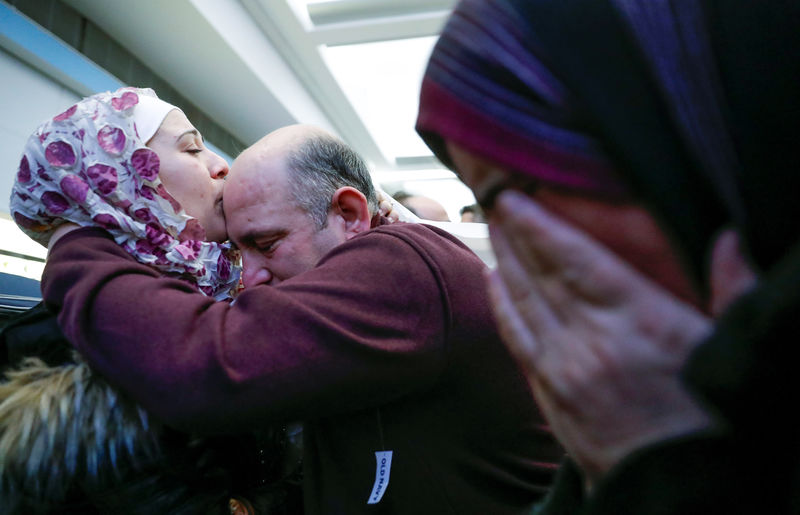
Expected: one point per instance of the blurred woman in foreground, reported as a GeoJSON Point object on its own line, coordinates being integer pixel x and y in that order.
{"type": "Point", "coordinates": [652, 147]}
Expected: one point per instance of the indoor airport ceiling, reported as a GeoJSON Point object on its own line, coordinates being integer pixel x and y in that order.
{"type": "Point", "coordinates": [351, 66]}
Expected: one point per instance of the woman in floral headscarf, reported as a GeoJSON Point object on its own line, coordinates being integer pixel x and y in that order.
{"type": "Point", "coordinates": [135, 166]}
{"type": "Point", "coordinates": [90, 165]}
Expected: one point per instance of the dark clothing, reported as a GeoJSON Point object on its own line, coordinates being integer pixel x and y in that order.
{"type": "Point", "coordinates": [133, 465]}
{"type": "Point", "coordinates": [387, 345]}
{"type": "Point", "coordinates": [34, 332]}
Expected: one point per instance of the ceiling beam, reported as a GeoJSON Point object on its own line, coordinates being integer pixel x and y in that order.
{"type": "Point", "coordinates": [340, 11]}
{"type": "Point", "coordinates": [380, 29]}
{"type": "Point", "coordinates": [213, 54]}
{"type": "Point", "coordinates": [279, 23]}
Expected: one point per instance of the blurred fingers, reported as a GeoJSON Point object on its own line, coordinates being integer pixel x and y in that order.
{"type": "Point", "coordinates": [514, 330]}
{"type": "Point", "coordinates": [519, 270]}
{"type": "Point", "coordinates": [731, 275]}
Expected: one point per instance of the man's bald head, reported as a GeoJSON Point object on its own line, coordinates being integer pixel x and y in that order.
{"type": "Point", "coordinates": [291, 198]}
{"type": "Point", "coordinates": [315, 162]}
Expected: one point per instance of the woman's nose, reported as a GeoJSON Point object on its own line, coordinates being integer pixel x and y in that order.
{"type": "Point", "coordinates": [218, 168]}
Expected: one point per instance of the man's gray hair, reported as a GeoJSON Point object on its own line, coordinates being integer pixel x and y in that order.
{"type": "Point", "coordinates": [321, 165]}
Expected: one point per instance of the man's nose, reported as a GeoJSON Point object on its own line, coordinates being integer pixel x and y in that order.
{"type": "Point", "coordinates": [254, 270]}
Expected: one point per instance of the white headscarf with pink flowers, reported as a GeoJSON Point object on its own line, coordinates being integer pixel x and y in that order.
{"type": "Point", "coordinates": [89, 165]}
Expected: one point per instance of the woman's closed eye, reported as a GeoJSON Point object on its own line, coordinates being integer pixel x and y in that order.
{"type": "Point", "coordinates": [194, 147]}
{"type": "Point", "coordinates": [192, 142]}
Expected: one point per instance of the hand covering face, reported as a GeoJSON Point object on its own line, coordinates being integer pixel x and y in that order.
{"type": "Point", "coordinates": [89, 165]}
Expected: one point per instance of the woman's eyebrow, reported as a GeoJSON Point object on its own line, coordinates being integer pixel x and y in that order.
{"type": "Point", "coordinates": [194, 132]}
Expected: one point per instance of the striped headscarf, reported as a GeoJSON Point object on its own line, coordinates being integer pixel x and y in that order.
{"type": "Point", "coordinates": [489, 88]}
{"type": "Point", "coordinates": [89, 165]}
{"type": "Point", "coordinates": [687, 105]}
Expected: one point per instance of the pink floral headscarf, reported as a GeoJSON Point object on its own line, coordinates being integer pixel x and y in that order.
{"type": "Point", "coordinates": [89, 165]}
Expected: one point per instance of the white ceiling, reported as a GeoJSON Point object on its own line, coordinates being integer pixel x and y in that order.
{"type": "Point", "coordinates": [350, 66]}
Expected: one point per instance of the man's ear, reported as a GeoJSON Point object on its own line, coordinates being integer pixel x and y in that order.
{"type": "Point", "coordinates": [351, 205]}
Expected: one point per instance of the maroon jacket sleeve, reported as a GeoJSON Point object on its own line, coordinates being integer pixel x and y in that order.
{"type": "Point", "coordinates": [345, 335]}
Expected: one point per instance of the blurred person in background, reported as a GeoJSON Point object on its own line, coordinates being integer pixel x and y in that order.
{"type": "Point", "coordinates": [424, 207]}
{"type": "Point", "coordinates": [472, 214]}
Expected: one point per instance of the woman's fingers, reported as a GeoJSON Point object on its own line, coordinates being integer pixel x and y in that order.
{"type": "Point", "coordinates": [515, 329]}
{"type": "Point", "coordinates": [522, 281]}
{"type": "Point", "coordinates": [600, 343]}
{"type": "Point", "coordinates": [731, 274]}
{"type": "Point", "coordinates": [574, 274]}
{"type": "Point", "coordinates": [577, 266]}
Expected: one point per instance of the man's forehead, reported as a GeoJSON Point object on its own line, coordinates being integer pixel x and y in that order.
{"type": "Point", "coordinates": [253, 173]}
{"type": "Point", "coordinates": [257, 202]}
{"type": "Point", "coordinates": [257, 190]}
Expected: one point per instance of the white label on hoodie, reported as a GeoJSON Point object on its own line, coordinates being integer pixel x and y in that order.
{"type": "Point", "coordinates": [383, 467]}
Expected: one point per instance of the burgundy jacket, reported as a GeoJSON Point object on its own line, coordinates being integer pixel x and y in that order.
{"type": "Point", "coordinates": [387, 345]}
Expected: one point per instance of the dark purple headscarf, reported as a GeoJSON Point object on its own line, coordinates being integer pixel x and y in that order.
{"type": "Point", "coordinates": [687, 105]}
{"type": "Point", "coordinates": [489, 88]}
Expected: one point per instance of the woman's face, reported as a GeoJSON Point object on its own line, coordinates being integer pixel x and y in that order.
{"type": "Point", "coordinates": [627, 229]}
{"type": "Point", "coordinates": [191, 173]}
